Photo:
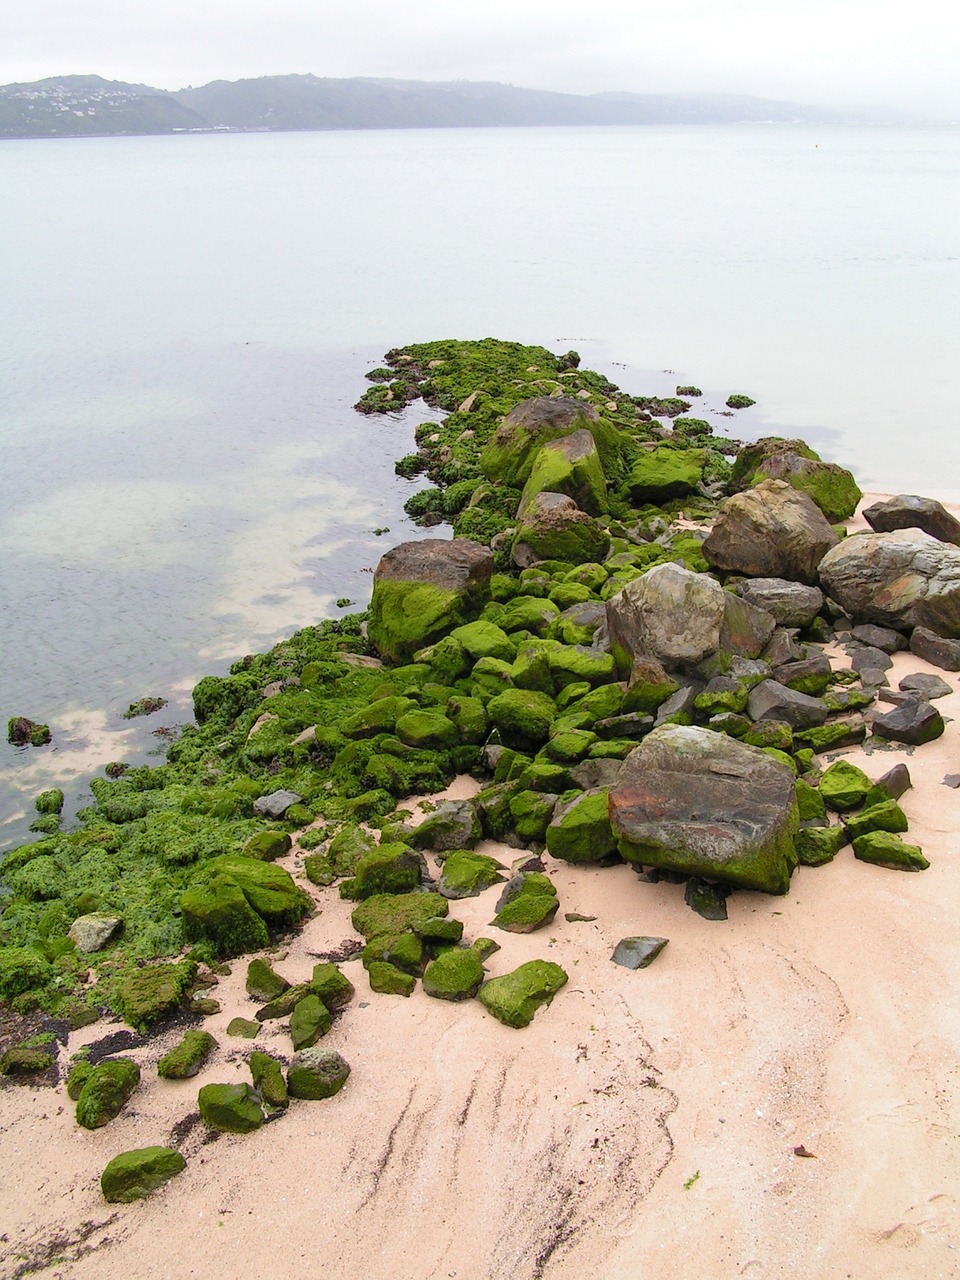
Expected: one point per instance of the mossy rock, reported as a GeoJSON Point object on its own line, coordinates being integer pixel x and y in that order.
{"type": "Point", "coordinates": [445, 932]}
{"type": "Point", "coordinates": [389, 915]}
{"type": "Point", "coordinates": [268, 1081]}
{"type": "Point", "coordinates": [531, 812]}
{"type": "Point", "coordinates": [469, 715]}
{"type": "Point", "coordinates": [483, 639]}
{"type": "Point", "coordinates": [466, 874]}
{"type": "Point", "coordinates": [22, 969]}
{"type": "Point", "coordinates": [347, 848]}
{"type": "Point", "coordinates": [283, 1005]}
{"type": "Point", "coordinates": [186, 1058]}
{"type": "Point", "coordinates": [522, 715]}
{"type": "Point", "coordinates": [528, 613]}
{"type": "Point", "coordinates": [580, 831]}
{"type": "Point", "coordinates": [50, 802]}
{"type": "Point", "coordinates": [309, 1021]}
{"type": "Point", "coordinates": [24, 1060]}
{"type": "Point", "coordinates": [569, 465]}
{"type": "Point", "coordinates": [886, 816]}
{"type": "Point", "coordinates": [570, 664]}
{"type": "Point", "coordinates": [831, 736]}
{"type": "Point", "coordinates": [570, 746]}
{"type": "Point", "coordinates": [810, 802]}
{"type": "Point", "coordinates": [407, 616]}
{"type": "Point", "coordinates": [427, 731]}
{"type": "Point", "coordinates": [665, 473]}
{"type": "Point", "coordinates": [818, 845]}
{"type": "Point", "coordinates": [545, 775]}
{"type": "Point", "coordinates": [318, 870]}
{"type": "Point", "coordinates": [769, 733]}
{"type": "Point", "coordinates": [331, 986]}
{"type": "Point", "coordinates": [267, 846]}
{"type": "Point", "coordinates": [386, 979]}
{"type": "Point", "coordinates": [148, 995]}
{"type": "Point", "coordinates": [105, 1091]}
{"type": "Point", "coordinates": [405, 951]}
{"type": "Point", "coordinates": [885, 849]}
{"type": "Point", "coordinates": [243, 1028]}
{"type": "Point", "coordinates": [844, 786]}
{"type": "Point", "coordinates": [515, 998]}
{"type": "Point", "coordinates": [528, 902]}
{"type": "Point", "coordinates": [132, 1175]}
{"type": "Point", "coordinates": [269, 889]}
{"type": "Point", "coordinates": [455, 975]}
{"type": "Point", "coordinates": [77, 1077]}
{"type": "Point", "coordinates": [316, 1073]}
{"type": "Point", "coordinates": [378, 716]}
{"type": "Point", "coordinates": [263, 982]}
{"type": "Point", "coordinates": [455, 825]}
{"type": "Point", "coordinates": [388, 869]}
{"type": "Point", "coordinates": [230, 1108]}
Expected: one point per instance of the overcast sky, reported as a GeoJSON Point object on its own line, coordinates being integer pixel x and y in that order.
{"type": "Point", "coordinates": [873, 52]}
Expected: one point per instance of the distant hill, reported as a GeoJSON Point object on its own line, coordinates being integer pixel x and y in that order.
{"type": "Point", "coordinates": [69, 106]}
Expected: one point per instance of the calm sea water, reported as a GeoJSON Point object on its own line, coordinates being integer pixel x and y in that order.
{"type": "Point", "coordinates": [185, 323]}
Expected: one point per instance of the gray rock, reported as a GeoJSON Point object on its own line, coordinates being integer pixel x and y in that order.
{"type": "Point", "coordinates": [913, 723]}
{"type": "Point", "coordinates": [747, 628]}
{"type": "Point", "coordinates": [792, 604]}
{"type": "Point", "coordinates": [679, 703]}
{"type": "Point", "coordinates": [864, 658]}
{"type": "Point", "coordinates": [902, 579]}
{"type": "Point", "coordinates": [934, 649]}
{"type": "Point", "coordinates": [884, 638]}
{"type": "Point", "coordinates": [276, 804]}
{"type": "Point", "coordinates": [94, 931]}
{"type": "Point", "coordinates": [669, 613]}
{"type": "Point", "coordinates": [773, 701]}
{"type": "Point", "coordinates": [454, 824]}
{"type": "Point", "coordinates": [783, 648]}
{"type": "Point", "coordinates": [907, 511]}
{"type": "Point", "coordinates": [591, 774]}
{"type": "Point", "coordinates": [926, 686]}
{"type": "Point", "coordinates": [895, 781]}
{"type": "Point", "coordinates": [637, 953]}
{"type": "Point", "coordinates": [771, 531]}
{"type": "Point", "coordinates": [698, 803]}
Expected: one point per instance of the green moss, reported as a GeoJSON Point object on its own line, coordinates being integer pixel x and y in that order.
{"type": "Point", "coordinates": [105, 1091]}
{"type": "Point", "coordinates": [50, 802]}
{"type": "Point", "coordinates": [388, 869]}
{"type": "Point", "coordinates": [263, 982]}
{"type": "Point", "coordinates": [25, 1060]}
{"type": "Point", "coordinates": [884, 849]}
{"type": "Point", "coordinates": [844, 786]}
{"type": "Point", "coordinates": [267, 846]}
{"type": "Point", "coordinates": [186, 1058]}
{"type": "Point", "coordinates": [219, 912]}
{"type": "Point", "coordinates": [132, 1175]}
{"type": "Point", "coordinates": [581, 832]}
{"type": "Point", "coordinates": [515, 998]}
{"type": "Point", "coordinates": [455, 975]}
{"type": "Point", "coordinates": [819, 845]}
{"type": "Point", "coordinates": [309, 1021]}
{"type": "Point", "coordinates": [268, 1081]}
{"type": "Point", "coordinates": [465, 874]}
{"type": "Point", "coordinates": [529, 902]}
{"type": "Point", "coordinates": [522, 715]}
{"type": "Point", "coordinates": [665, 473]}
{"type": "Point", "coordinates": [886, 816]}
{"type": "Point", "coordinates": [388, 980]}
{"type": "Point", "coordinates": [331, 986]}
{"type": "Point", "coordinates": [406, 616]}
{"type": "Point", "coordinates": [148, 995]}
{"type": "Point", "coordinates": [230, 1108]}
{"type": "Point", "coordinates": [389, 915]}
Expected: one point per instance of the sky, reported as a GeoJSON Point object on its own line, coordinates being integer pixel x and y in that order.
{"type": "Point", "coordinates": [831, 52]}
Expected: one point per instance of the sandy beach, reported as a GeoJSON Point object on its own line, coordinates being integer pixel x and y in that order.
{"type": "Point", "coordinates": [646, 1124]}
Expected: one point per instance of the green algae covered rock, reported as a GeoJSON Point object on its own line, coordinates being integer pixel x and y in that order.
{"type": "Point", "coordinates": [243, 1028]}
{"type": "Point", "coordinates": [148, 995]}
{"type": "Point", "coordinates": [580, 831]}
{"type": "Point", "coordinates": [528, 902]}
{"type": "Point", "coordinates": [317, 869]}
{"type": "Point", "coordinates": [387, 869]}
{"type": "Point", "coordinates": [230, 1108]}
{"type": "Point", "coordinates": [387, 980]}
{"type": "Point", "coordinates": [886, 816]}
{"type": "Point", "coordinates": [522, 715]}
{"type": "Point", "coordinates": [554, 528]}
{"type": "Point", "coordinates": [316, 1073]}
{"type": "Point", "coordinates": [347, 848]}
{"type": "Point", "coordinates": [405, 951]}
{"type": "Point", "coordinates": [22, 1060]}
{"type": "Point", "coordinates": [132, 1175]}
{"type": "Point", "coordinates": [465, 874]}
{"type": "Point", "coordinates": [844, 786]}
{"type": "Point", "coordinates": [531, 812]}
{"type": "Point", "coordinates": [331, 986]}
{"type": "Point", "coordinates": [284, 1004]}
{"type": "Point", "coordinates": [267, 845]}
{"type": "Point", "coordinates": [453, 825]}
{"type": "Point", "coordinates": [263, 982]}
{"type": "Point", "coordinates": [219, 911]}
{"type": "Point", "coordinates": [810, 803]}
{"type": "Point", "coordinates": [22, 969]}
{"type": "Point", "coordinates": [309, 1021]}
{"type": "Point", "coordinates": [186, 1058]}
{"type": "Point", "coordinates": [885, 849]}
{"type": "Point", "coordinates": [454, 975]}
{"type": "Point", "coordinates": [269, 889]}
{"type": "Point", "coordinates": [819, 845]}
{"type": "Point", "coordinates": [389, 915]}
{"type": "Point", "coordinates": [570, 465]}
{"type": "Point", "coordinates": [665, 473]}
{"type": "Point", "coordinates": [105, 1090]}
{"type": "Point", "coordinates": [378, 716]}
{"type": "Point", "coordinates": [427, 731]}
{"type": "Point", "coordinates": [469, 715]}
{"type": "Point", "coordinates": [267, 1074]}
{"type": "Point", "coordinates": [515, 998]}
{"type": "Point", "coordinates": [77, 1077]}
{"type": "Point", "coordinates": [49, 802]}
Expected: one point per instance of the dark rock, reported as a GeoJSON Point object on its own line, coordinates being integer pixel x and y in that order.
{"type": "Point", "coordinates": [907, 511]}
{"type": "Point", "coordinates": [773, 701]}
{"type": "Point", "coordinates": [707, 899]}
{"type": "Point", "coordinates": [783, 648]}
{"type": "Point", "coordinates": [926, 686]}
{"type": "Point", "coordinates": [864, 658]}
{"type": "Point", "coordinates": [679, 704]}
{"type": "Point", "coordinates": [792, 604]}
{"type": "Point", "coordinates": [637, 953]}
{"type": "Point", "coordinates": [771, 531]}
{"type": "Point", "coordinates": [809, 675]}
{"type": "Point", "coordinates": [897, 697]}
{"type": "Point", "coordinates": [747, 628]}
{"type": "Point", "coordinates": [702, 804]}
{"type": "Point", "coordinates": [875, 637]}
{"type": "Point", "coordinates": [833, 735]}
{"type": "Point", "coordinates": [952, 780]}
{"type": "Point", "coordinates": [914, 723]}
{"type": "Point", "coordinates": [936, 650]}
{"type": "Point", "coordinates": [276, 804]}
{"type": "Point", "coordinates": [892, 785]}
{"type": "Point", "coordinates": [903, 579]}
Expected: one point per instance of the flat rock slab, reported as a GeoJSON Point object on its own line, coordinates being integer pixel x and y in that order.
{"type": "Point", "coordinates": [926, 686]}
{"type": "Point", "coordinates": [699, 803]}
{"type": "Point", "coordinates": [637, 953]}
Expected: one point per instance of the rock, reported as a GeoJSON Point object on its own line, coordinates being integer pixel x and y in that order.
{"type": "Point", "coordinates": [509, 456]}
{"type": "Point", "coordinates": [387, 916]}
{"type": "Point", "coordinates": [268, 845]}
{"type": "Point", "coordinates": [442, 931]}
{"type": "Point", "coordinates": [22, 732]}
{"type": "Point", "coordinates": [817, 846]}
{"type": "Point", "coordinates": [913, 723]}
{"type": "Point", "coordinates": [268, 1081]}
{"type": "Point", "coordinates": [810, 675]}
{"type": "Point", "coordinates": [701, 804]}
{"type": "Point", "coordinates": [864, 658]}
{"type": "Point", "coordinates": [833, 735]}
{"type": "Point", "coordinates": [831, 487]}
{"type": "Point", "coordinates": [93, 932]}
{"type": "Point", "coordinates": [523, 716]}
{"type": "Point", "coordinates": [514, 998]}
{"type": "Point", "coordinates": [664, 473]}
{"type": "Point", "coordinates": [926, 687]}
{"type": "Point", "coordinates": [243, 1028]}
{"type": "Point", "coordinates": [568, 465]}
{"type": "Point", "coordinates": [678, 708]}
{"type": "Point", "coordinates": [580, 831]}
{"type": "Point", "coordinates": [554, 528]}
{"type": "Point", "coordinates": [792, 604]}
{"type": "Point", "coordinates": [528, 902]}
{"type": "Point", "coordinates": [669, 614]}
{"type": "Point", "coordinates": [891, 786]}
{"type": "Point", "coordinates": [885, 816]}
{"type": "Point", "coordinates": [422, 590]}
{"type": "Point", "coordinates": [648, 686]}
{"type": "Point", "coordinates": [773, 701]}
{"type": "Point", "coordinates": [263, 983]}
{"type": "Point", "coordinates": [105, 1091]}
{"type": "Point", "coordinates": [309, 1021]}
{"type": "Point", "coordinates": [707, 899]}
{"type": "Point", "coordinates": [875, 637]}
{"type": "Point", "coordinates": [132, 1175]}
{"type": "Point", "coordinates": [907, 511]}
{"type": "Point", "coordinates": [276, 804]}
{"type": "Point", "coordinates": [230, 1108]}
{"type": "Point", "coordinates": [844, 786]}
{"type": "Point", "coordinates": [316, 1073]}
{"type": "Point", "coordinates": [455, 975]}
{"type": "Point", "coordinates": [936, 650]}
{"type": "Point", "coordinates": [151, 994]}
{"type": "Point", "coordinates": [637, 953]}
{"type": "Point", "coordinates": [390, 868]}
{"type": "Point", "coordinates": [771, 531]}
{"type": "Point", "coordinates": [378, 716]}
{"type": "Point", "coordinates": [49, 802]}
{"type": "Point", "coordinates": [466, 875]}
{"type": "Point", "coordinates": [902, 579]}
{"type": "Point", "coordinates": [747, 629]}
{"type": "Point", "coordinates": [22, 1060]}
{"type": "Point", "coordinates": [884, 849]}
{"type": "Point", "coordinates": [186, 1058]}
{"type": "Point", "coordinates": [387, 980]}
{"type": "Point", "coordinates": [234, 901]}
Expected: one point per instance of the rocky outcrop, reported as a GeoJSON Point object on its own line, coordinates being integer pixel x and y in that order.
{"type": "Point", "coordinates": [771, 531]}
{"type": "Point", "coordinates": [902, 579]}
{"type": "Point", "coordinates": [698, 803]}
{"type": "Point", "coordinates": [509, 456]}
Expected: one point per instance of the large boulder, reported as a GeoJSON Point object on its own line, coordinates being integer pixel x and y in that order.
{"type": "Point", "coordinates": [422, 590]}
{"type": "Point", "coordinates": [570, 465]}
{"type": "Point", "coordinates": [663, 473]}
{"type": "Point", "coordinates": [792, 604]}
{"type": "Point", "coordinates": [772, 531]}
{"type": "Point", "coordinates": [670, 614]}
{"type": "Point", "coordinates": [907, 511]}
{"type": "Point", "coordinates": [508, 458]}
{"type": "Point", "coordinates": [552, 527]}
{"type": "Point", "coordinates": [901, 579]}
{"type": "Point", "coordinates": [832, 488]}
{"type": "Point", "coordinates": [699, 803]}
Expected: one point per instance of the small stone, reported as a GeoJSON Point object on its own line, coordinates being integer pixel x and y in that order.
{"type": "Point", "coordinates": [309, 1021]}
{"type": "Point", "coordinates": [244, 1028]}
{"type": "Point", "coordinates": [93, 932]}
{"type": "Point", "coordinates": [267, 1073]}
{"type": "Point", "coordinates": [316, 1073]}
{"type": "Point", "coordinates": [134, 1174]}
{"type": "Point", "coordinates": [952, 780]}
{"type": "Point", "coordinates": [186, 1058]}
{"type": "Point", "coordinates": [230, 1108]}
{"type": "Point", "coordinates": [637, 953]}
{"type": "Point", "coordinates": [927, 686]}
{"type": "Point", "coordinates": [887, 850]}
{"type": "Point", "coordinates": [276, 804]}
{"type": "Point", "coordinates": [514, 998]}
{"type": "Point", "coordinates": [707, 900]}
